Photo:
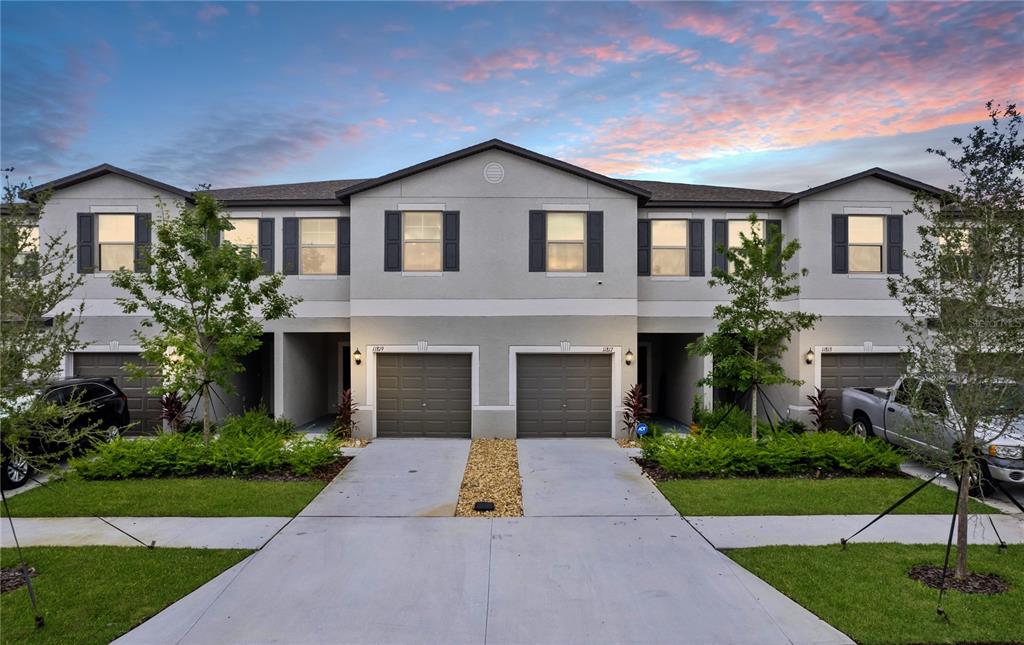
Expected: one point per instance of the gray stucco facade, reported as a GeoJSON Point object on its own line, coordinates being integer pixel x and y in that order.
{"type": "Point", "coordinates": [495, 308]}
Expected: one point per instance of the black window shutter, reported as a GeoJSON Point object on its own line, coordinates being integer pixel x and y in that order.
{"type": "Point", "coordinates": [538, 240]}
{"type": "Point", "coordinates": [595, 241]}
{"type": "Point", "coordinates": [643, 247]}
{"type": "Point", "coordinates": [266, 244]}
{"type": "Point", "coordinates": [392, 240]}
{"type": "Point", "coordinates": [773, 231]}
{"type": "Point", "coordinates": [696, 240]}
{"type": "Point", "coordinates": [143, 240]}
{"type": "Point", "coordinates": [290, 245]}
{"type": "Point", "coordinates": [344, 245]}
{"type": "Point", "coordinates": [719, 244]}
{"type": "Point", "coordinates": [450, 251]}
{"type": "Point", "coordinates": [840, 244]}
{"type": "Point", "coordinates": [86, 243]}
{"type": "Point", "coordinates": [894, 250]}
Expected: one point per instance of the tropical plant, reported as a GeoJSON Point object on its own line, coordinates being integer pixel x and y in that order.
{"type": "Point", "coordinates": [821, 411]}
{"type": "Point", "coordinates": [635, 412]}
{"type": "Point", "coordinates": [753, 332]}
{"type": "Point", "coordinates": [172, 410]}
{"type": "Point", "coordinates": [207, 302]}
{"type": "Point", "coordinates": [345, 423]}
{"type": "Point", "coordinates": [965, 332]}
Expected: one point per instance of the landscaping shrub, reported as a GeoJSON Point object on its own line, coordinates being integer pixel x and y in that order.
{"type": "Point", "coordinates": [732, 422]}
{"type": "Point", "coordinates": [249, 444]}
{"type": "Point", "coordinates": [823, 453]}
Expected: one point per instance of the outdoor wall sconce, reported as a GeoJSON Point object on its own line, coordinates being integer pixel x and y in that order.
{"type": "Point", "coordinates": [809, 356]}
{"type": "Point", "coordinates": [357, 356]}
{"type": "Point", "coordinates": [629, 357]}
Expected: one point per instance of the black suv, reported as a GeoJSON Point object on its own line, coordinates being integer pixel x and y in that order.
{"type": "Point", "coordinates": [106, 406]}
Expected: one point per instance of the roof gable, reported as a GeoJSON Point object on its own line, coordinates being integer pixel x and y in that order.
{"type": "Point", "coordinates": [106, 169]}
{"type": "Point", "coordinates": [877, 173]}
{"type": "Point", "coordinates": [495, 144]}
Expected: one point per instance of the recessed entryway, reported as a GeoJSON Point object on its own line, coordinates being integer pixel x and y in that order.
{"type": "Point", "coordinates": [424, 395]}
{"type": "Point", "coordinates": [563, 395]}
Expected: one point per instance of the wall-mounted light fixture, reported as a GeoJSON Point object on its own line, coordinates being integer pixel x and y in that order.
{"type": "Point", "coordinates": [809, 356]}
{"type": "Point", "coordinates": [357, 356]}
{"type": "Point", "coordinates": [629, 357]}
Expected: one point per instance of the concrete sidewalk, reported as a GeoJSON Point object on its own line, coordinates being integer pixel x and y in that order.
{"type": "Point", "coordinates": [770, 530]}
{"type": "Point", "coordinates": [184, 532]}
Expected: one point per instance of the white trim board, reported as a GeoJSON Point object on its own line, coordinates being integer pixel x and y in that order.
{"type": "Point", "coordinates": [821, 306]}
{"type": "Point", "coordinates": [494, 307]}
{"type": "Point", "coordinates": [615, 351]}
{"type": "Point", "coordinates": [370, 356]}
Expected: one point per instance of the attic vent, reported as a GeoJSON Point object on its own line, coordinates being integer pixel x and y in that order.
{"type": "Point", "coordinates": [494, 172]}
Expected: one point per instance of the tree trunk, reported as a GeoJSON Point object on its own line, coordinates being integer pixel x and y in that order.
{"type": "Point", "coordinates": [753, 412]}
{"type": "Point", "coordinates": [206, 414]}
{"type": "Point", "coordinates": [961, 519]}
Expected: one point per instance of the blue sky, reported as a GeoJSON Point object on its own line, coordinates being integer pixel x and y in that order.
{"type": "Point", "coordinates": [772, 94]}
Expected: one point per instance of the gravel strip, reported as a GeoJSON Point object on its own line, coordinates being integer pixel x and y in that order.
{"type": "Point", "coordinates": [492, 475]}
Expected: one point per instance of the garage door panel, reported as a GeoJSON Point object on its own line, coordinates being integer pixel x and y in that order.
{"type": "Point", "coordinates": [563, 395]}
{"type": "Point", "coordinates": [869, 369]}
{"type": "Point", "coordinates": [431, 395]}
{"type": "Point", "coordinates": [143, 407]}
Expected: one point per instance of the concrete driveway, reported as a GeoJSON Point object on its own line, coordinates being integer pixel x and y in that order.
{"type": "Point", "coordinates": [579, 568]}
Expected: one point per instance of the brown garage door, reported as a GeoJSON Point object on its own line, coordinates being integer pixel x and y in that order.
{"type": "Point", "coordinates": [143, 407]}
{"type": "Point", "coordinates": [423, 395]}
{"type": "Point", "coordinates": [856, 370]}
{"type": "Point", "coordinates": [563, 395]}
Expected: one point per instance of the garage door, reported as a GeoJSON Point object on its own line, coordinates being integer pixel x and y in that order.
{"type": "Point", "coordinates": [564, 395]}
{"type": "Point", "coordinates": [142, 406]}
{"type": "Point", "coordinates": [423, 395]}
{"type": "Point", "coordinates": [856, 370]}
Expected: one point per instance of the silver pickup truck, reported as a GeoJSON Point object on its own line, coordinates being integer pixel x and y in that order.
{"type": "Point", "coordinates": [885, 413]}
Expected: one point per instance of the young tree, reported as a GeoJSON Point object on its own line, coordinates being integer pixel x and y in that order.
{"type": "Point", "coordinates": [752, 333]}
{"type": "Point", "coordinates": [965, 333]}
{"type": "Point", "coordinates": [207, 301]}
{"type": "Point", "coordinates": [38, 326]}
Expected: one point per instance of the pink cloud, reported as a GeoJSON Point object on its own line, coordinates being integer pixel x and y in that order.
{"type": "Point", "coordinates": [521, 58]}
{"type": "Point", "coordinates": [443, 87]}
{"type": "Point", "coordinates": [607, 53]}
{"type": "Point", "coordinates": [210, 12]}
{"type": "Point", "coordinates": [644, 43]}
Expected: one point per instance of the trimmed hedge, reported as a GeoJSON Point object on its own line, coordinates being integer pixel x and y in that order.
{"type": "Point", "coordinates": [247, 445]}
{"type": "Point", "coordinates": [826, 453]}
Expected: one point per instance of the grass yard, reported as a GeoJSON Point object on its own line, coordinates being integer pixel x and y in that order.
{"type": "Point", "coordinates": [796, 496]}
{"type": "Point", "coordinates": [190, 497]}
{"type": "Point", "coordinates": [865, 592]}
{"type": "Point", "coordinates": [94, 594]}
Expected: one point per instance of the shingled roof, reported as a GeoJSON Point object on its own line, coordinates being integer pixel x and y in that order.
{"type": "Point", "coordinates": [692, 194]}
{"type": "Point", "coordinates": [304, 193]}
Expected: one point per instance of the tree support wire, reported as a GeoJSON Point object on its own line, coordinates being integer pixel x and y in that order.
{"type": "Point", "coordinates": [24, 565]}
{"type": "Point", "coordinates": [949, 547]}
{"type": "Point", "coordinates": [900, 501]}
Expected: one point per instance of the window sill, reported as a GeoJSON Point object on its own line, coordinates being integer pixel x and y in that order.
{"type": "Point", "coordinates": [422, 274]}
{"type": "Point", "coordinates": [318, 277]}
{"type": "Point", "coordinates": [565, 274]}
{"type": "Point", "coordinates": [868, 276]}
{"type": "Point", "coordinates": [670, 278]}
{"type": "Point", "coordinates": [101, 275]}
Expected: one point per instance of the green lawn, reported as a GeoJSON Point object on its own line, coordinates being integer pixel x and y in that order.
{"type": "Point", "coordinates": [794, 496]}
{"type": "Point", "coordinates": [193, 497]}
{"type": "Point", "coordinates": [94, 594]}
{"type": "Point", "coordinates": [865, 592]}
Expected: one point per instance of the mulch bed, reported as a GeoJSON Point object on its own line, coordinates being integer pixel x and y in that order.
{"type": "Point", "coordinates": [11, 578]}
{"type": "Point", "coordinates": [930, 575]}
{"type": "Point", "coordinates": [492, 475]}
{"type": "Point", "coordinates": [327, 473]}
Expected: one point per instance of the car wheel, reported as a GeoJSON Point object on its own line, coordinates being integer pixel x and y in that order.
{"type": "Point", "coordinates": [861, 428]}
{"type": "Point", "coordinates": [15, 472]}
{"type": "Point", "coordinates": [113, 432]}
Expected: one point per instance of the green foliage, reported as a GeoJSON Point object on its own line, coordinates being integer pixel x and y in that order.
{"type": "Point", "coordinates": [752, 332]}
{"type": "Point", "coordinates": [207, 301]}
{"type": "Point", "coordinates": [247, 445]}
{"type": "Point", "coordinates": [824, 453]}
{"type": "Point", "coordinates": [727, 422]}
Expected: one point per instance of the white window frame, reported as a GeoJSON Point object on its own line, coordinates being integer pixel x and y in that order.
{"type": "Point", "coordinates": [100, 243]}
{"type": "Point", "coordinates": [256, 246]}
{"type": "Point", "coordinates": [439, 242]}
{"type": "Point", "coordinates": [762, 221]}
{"type": "Point", "coordinates": [334, 246]}
{"type": "Point", "coordinates": [685, 248]}
{"type": "Point", "coordinates": [881, 246]}
{"type": "Point", "coordinates": [582, 243]}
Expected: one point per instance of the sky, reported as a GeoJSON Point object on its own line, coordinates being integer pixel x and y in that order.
{"type": "Point", "coordinates": [760, 94]}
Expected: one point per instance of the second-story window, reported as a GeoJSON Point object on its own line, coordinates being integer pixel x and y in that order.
{"type": "Point", "coordinates": [318, 239]}
{"type": "Point", "coordinates": [421, 241]}
{"type": "Point", "coordinates": [245, 234]}
{"type": "Point", "coordinates": [566, 242]}
{"type": "Point", "coordinates": [116, 240]}
{"type": "Point", "coordinates": [668, 247]}
{"type": "Point", "coordinates": [31, 245]}
{"type": "Point", "coordinates": [738, 226]}
{"type": "Point", "coordinates": [867, 239]}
